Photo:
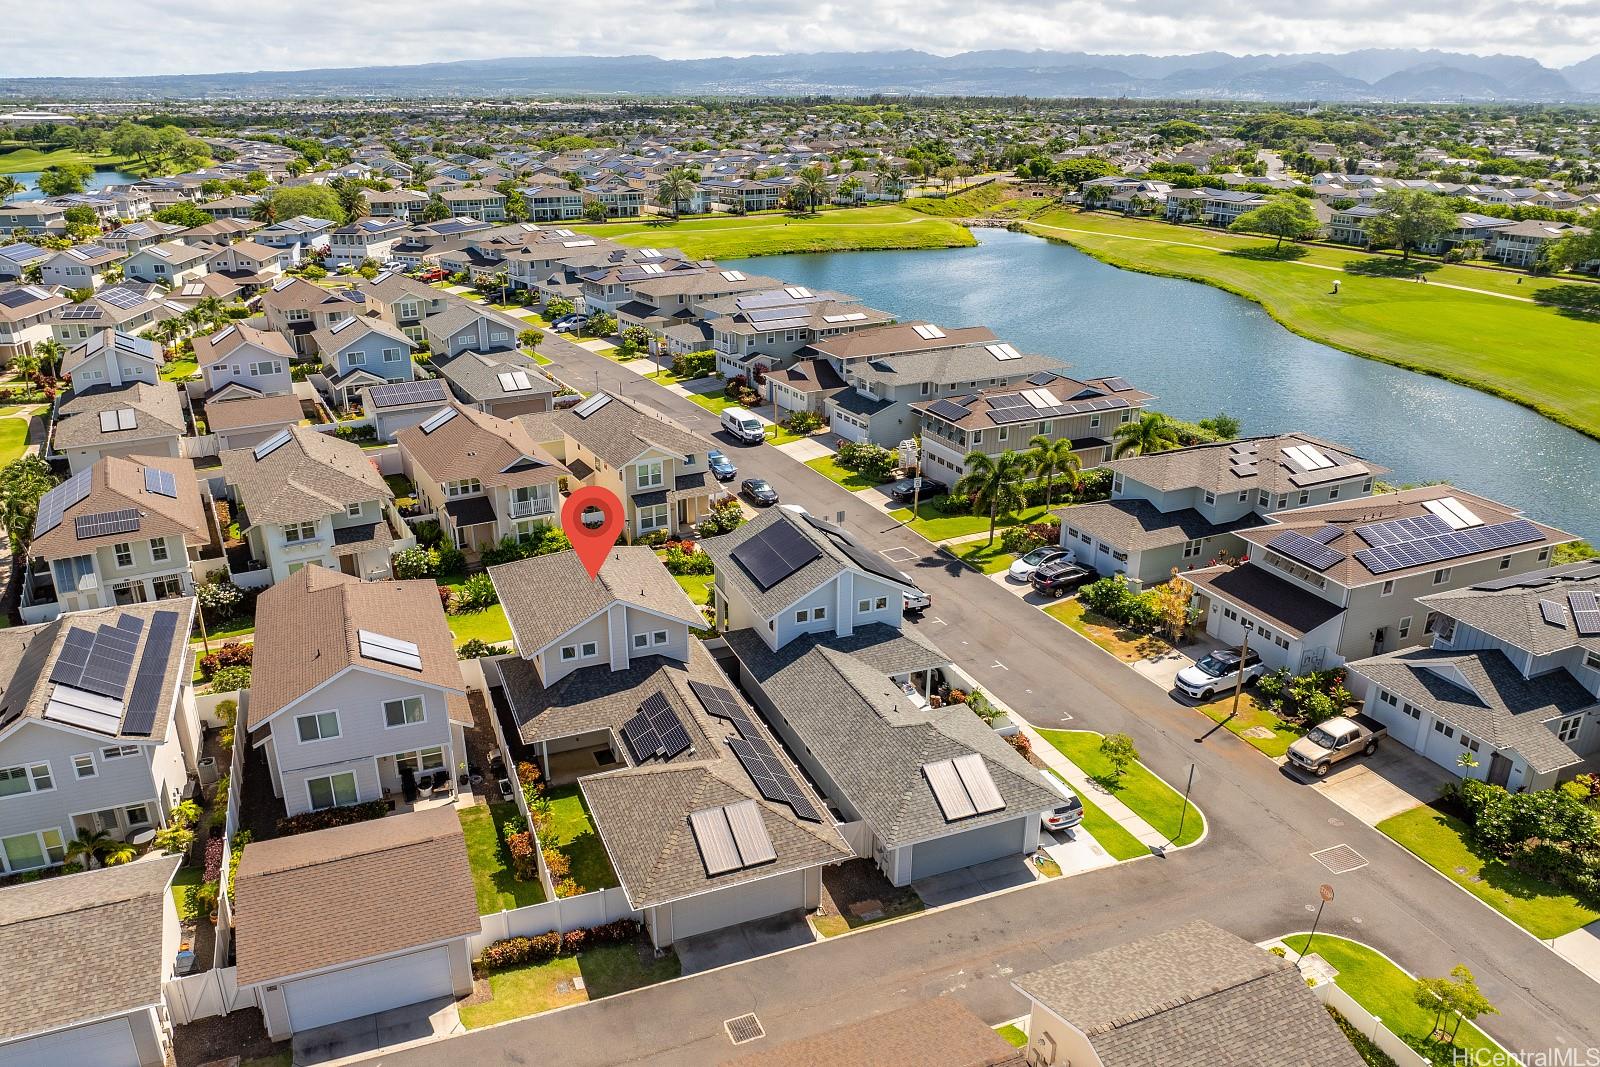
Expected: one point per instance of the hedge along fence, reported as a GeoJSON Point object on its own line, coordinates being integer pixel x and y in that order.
{"type": "Point", "coordinates": [542, 948]}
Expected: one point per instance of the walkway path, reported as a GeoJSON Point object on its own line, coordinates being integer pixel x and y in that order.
{"type": "Point", "coordinates": [1107, 802]}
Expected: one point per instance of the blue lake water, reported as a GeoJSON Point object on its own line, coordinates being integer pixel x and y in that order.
{"type": "Point", "coordinates": [99, 180]}
{"type": "Point", "coordinates": [1201, 350]}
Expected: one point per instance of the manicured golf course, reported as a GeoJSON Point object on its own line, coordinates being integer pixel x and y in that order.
{"type": "Point", "coordinates": [737, 237]}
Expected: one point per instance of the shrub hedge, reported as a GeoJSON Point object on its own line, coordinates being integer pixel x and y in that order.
{"type": "Point", "coordinates": [328, 818]}
{"type": "Point", "coordinates": [541, 948]}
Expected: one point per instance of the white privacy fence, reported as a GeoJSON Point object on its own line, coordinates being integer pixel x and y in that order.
{"type": "Point", "coordinates": [558, 914]}
{"type": "Point", "coordinates": [200, 996]}
{"type": "Point", "coordinates": [1370, 1025]}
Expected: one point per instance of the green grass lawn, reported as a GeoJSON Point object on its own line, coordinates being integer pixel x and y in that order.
{"type": "Point", "coordinates": [1440, 840]}
{"type": "Point", "coordinates": [829, 468]}
{"type": "Point", "coordinates": [245, 624]}
{"type": "Point", "coordinates": [1013, 1035]}
{"type": "Point", "coordinates": [404, 492]}
{"type": "Point", "coordinates": [22, 160]}
{"type": "Point", "coordinates": [13, 439]}
{"type": "Point", "coordinates": [177, 370]}
{"type": "Point", "coordinates": [1503, 346]}
{"type": "Point", "coordinates": [1113, 837]}
{"type": "Point", "coordinates": [1251, 716]}
{"type": "Point", "coordinates": [986, 557]}
{"type": "Point", "coordinates": [606, 970]}
{"type": "Point", "coordinates": [490, 624]}
{"type": "Point", "coordinates": [712, 402]}
{"type": "Point", "coordinates": [937, 526]}
{"type": "Point", "coordinates": [853, 229]}
{"type": "Point", "coordinates": [1384, 990]}
{"type": "Point", "coordinates": [190, 874]}
{"type": "Point", "coordinates": [492, 877]}
{"type": "Point", "coordinates": [572, 833]}
{"type": "Point", "coordinates": [698, 586]}
{"type": "Point", "coordinates": [1149, 797]}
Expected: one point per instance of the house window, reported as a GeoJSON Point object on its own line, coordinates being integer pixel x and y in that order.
{"type": "Point", "coordinates": [1389, 699]}
{"type": "Point", "coordinates": [464, 487]}
{"type": "Point", "coordinates": [1116, 483]}
{"type": "Point", "coordinates": [262, 370]}
{"type": "Point", "coordinates": [426, 759]}
{"type": "Point", "coordinates": [589, 649]}
{"type": "Point", "coordinates": [84, 766]}
{"type": "Point", "coordinates": [1568, 729]}
{"type": "Point", "coordinates": [641, 640]}
{"type": "Point", "coordinates": [1388, 588]}
{"type": "Point", "coordinates": [1366, 486]}
{"type": "Point", "coordinates": [391, 355]}
{"type": "Point", "coordinates": [658, 637]}
{"type": "Point", "coordinates": [1431, 622]}
{"type": "Point", "coordinates": [1192, 548]}
{"type": "Point", "coordinates": [332, 791]}
{"type": "Point", "coordinates": [1333, 494]}
{"type": "Point", "coordinates": [880, 603]}
{"type": "Point", "coordinates": [1441, 728]}
{"type": "Point", "coordinates": [1468, 743]}
{"type": "Point", "coordinates": [1283, 501]}
{"type": "Point", "coordinates": [318, 727]}
{"type": "Point", "coordinates": [34, 778]}
{"type": "Point", "coordinates": [651, 474]}
{"type": "Point", "coordinates": [1405, 627]}
{"type": "Point", "coordinates": [802, 616]}
{"type": "Point", "coordinates": [1305, 496]}
{"type": "Point", "coordinates": [402, 712]}
{"type": "Point", "coordinates": [168, 588]}
{"type": "Point", "coordinates": [1244, 496]}
{"type": "Point", "coordinates": [353, 510]}
{"type": "Point", "coordinates": [653, 518]}
{"type": "Point", "coordinates": [158, 549]}
{"type": "Point", "coordinates": [27, 851]}
{"type": "Point", "coordinates": [118, 752]}
{"type": "Point", "coordinates": [124, 553]}
{"type": "Point", "coordinates": [1505, 563]}
{"type": "Point", "coordinates": [137, 815]}
{"type": "Point", "coordinates": [1592, 660]}
{"type": "Point", "coordinates": [1263, 498]}
{"type": "Point", "coordinates": [356, 359]}
{"type": "Point", "coordinates": [1544, 554]}
{"type": "Point", "coordinates": [1441, 576]}
{"type": "Point", "coordinates": [1211, 498]}
{"type": "Point", "coordinates": [1411, 711]}
{"type": "Point", "coordinates": [297, 532]}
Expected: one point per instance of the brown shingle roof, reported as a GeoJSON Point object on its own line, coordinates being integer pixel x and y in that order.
{"type": "Point", "coordinates": [307, 631]}
{"type": "Point", "coordinates": [225, 415]}
{"type": "Point", "coordinates": [332, 897]}
{"type": "Point", "coordinates": [478, 445]}
{"type": "Point", "coordinates": [207, 350]}
{"type": "Point", "coordinates": [934, 1033]}
{"type": "Point", "coordinates": [546, 596]}
{"type": "Point", "coordinates": [309, 476]}
{"type": "Point", "coordinates": [116, 483]}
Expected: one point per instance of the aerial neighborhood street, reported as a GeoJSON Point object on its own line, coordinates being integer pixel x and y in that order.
{"type": "Point", "coordinates": [829, 571]}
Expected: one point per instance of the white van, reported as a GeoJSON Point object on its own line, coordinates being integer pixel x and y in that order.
{"type": "Point", "coordinates": [744, 427]}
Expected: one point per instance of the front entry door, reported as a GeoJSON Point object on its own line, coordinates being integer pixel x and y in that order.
{"type": "Point", "coordinates": [1499, 770]}
{"type": "Point", "coordinates": [1378, 639]}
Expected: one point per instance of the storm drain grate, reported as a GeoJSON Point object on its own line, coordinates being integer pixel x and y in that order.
{"type": "Point", "coordinates": [744, 1028]}
{"type": "Point", "coordinates": [1340, 859]}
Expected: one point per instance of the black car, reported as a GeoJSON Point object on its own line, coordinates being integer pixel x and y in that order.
{"type": "Point", "coordinates": [722, 468]}
{"type": "Point", "coordinates": [759, 492]}
{"type": "Point", "coordinates": [1060, 577]}
{"type": "Point", "coordinates": [906, 489]}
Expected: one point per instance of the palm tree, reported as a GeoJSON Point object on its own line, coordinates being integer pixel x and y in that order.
{"type": "Point", "coordinates": [50, 353]}
{"type": "Point", "coordinates": [90, 846]}
{"type": "Point", "coordinates": [812, 184]}
{"type": "Point", "coordinates": [671, 191]}
{"type": "Point", "coordinates": [1152, 433]}
{"type": "Point", "coordinates": [1051, 457]}
{"type": "Point", "coordinates": [10, 187]}
{"type": "Point", "coordinates": [994, 483]}
{"type": "Point", "coordinates": [849, 187]}
{"type": "Point", "coordinates": [210, 310]}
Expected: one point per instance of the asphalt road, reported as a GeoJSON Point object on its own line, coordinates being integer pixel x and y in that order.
{"type": "Point", "coordinates": [1253, 874]}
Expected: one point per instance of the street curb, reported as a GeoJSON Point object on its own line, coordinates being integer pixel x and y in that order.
{"type": "Point", "coordinates": [1204, 821]}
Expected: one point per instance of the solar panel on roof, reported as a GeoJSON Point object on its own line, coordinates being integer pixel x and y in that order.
{"type": "Point", "coordinates": [391, 650]}
{"type": "Point", "coordinates": [1003, 352]}
{"type": "Point", "coordinates": [667, 726]}
{"type": "Point", "coordinates": [714, 837]}
{"type": "Point", "coordinates": [974, 775]}
{"type": "Point", "coordinates": [945, 409]}
{"type": "Point", "coordinates": [271, 445]}
{"type": "Point", "coordinates": [1116, 385]}
{"type": "Point", "coordinates": [1302, 549]}
{"type": "Point", "coordinates": [1585, 612]}
{"type": "Point", "coordinates": [101, 523]}
{"type": "Point", "coordinates": [160, 482]}
{"type": "Point", "coordinates": [1326, 535]}
{"type": "Point", "coordinates": [438, 419]}
{"type": "Point", "coordinates": [592, 405]}
{"type": "Point", "coordinates": [54, 504]}
{"type": "Point", "coordinates": [1452, 544]}
{"type": "Point", "coordinates": [77, 312]}
{"type": "Point", "coordinates": [858, 553]}
{"type": "Point", "coordinates": [948, 792]}
{"type": "Point", "coordinates": [1410, 528]}
{"type": "Point", "coordinates": [101, 661]}
{"type": "Point", "coordinates": [749, 834]}
{"type": "Point", "coordinates": [775, 553]}
{"type": "Point", "coordinates": [1554, 612]}
{"type": "Point", "coordinates": [144, 700]}
{"type": "Point", "coordinates": [1044, 377]}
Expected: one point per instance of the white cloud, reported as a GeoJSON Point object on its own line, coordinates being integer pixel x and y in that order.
{"type": "Point", "coordinates": [113, 37]}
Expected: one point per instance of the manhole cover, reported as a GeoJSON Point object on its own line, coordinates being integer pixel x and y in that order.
{"type": "Point", "coordinates": [744, 1028]}
{"type": "Point", "coordinates": [1340, 859]}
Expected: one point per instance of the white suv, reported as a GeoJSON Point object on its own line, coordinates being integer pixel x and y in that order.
{"type": "Point", "coordinates": [1219, 673]}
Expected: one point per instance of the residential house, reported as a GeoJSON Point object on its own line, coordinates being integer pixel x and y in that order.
{"type": "Point", "coordinates": [552, 203]}
{"type": "Point", "coordinates": [672, 291]}
{"type": "Point", "coordinates": [106, 1007]}
{"type": "Point", "coordinates": [475, 202]}
{"type": "Point", "coordinates": [81, 267]}
{"type": "Point", "coordinates": [120, 532]}
{"type": "Point", "coordinates": [395, 203]}
{"type": "Point", "coordinates": [656, 467]}
{"type": "Point", "coordinates": [127, 306]}
{"type": "Point", "coordinates": [298, 235]}
{"type": "Point", "coordinates": [394, 407]}
{"type": "Point", "coordinates": [16, 258]}
{"type": "Point", "coordinates": [468, 327]}
{"type": "Point", "coordinates": [1222, 206]}
{"type": "Point", "coordinates": [219, 233]}
{"type": "Point", "coordinates": [33, 216]}
{"type": "Point", "coordinates": [364, 239]}
{"type": "Point", "coordinates": [1201, 996]}
{"type": "Point", "coordinates": [134, 236]}
{"type": "Point", "coordinates": [506, 384]}
{"type": "Point", "coordinates": [743, 195]}
{"type": "Point", "coordinates": [357, 694]}
{"type": "Point", "coordinates": [405, 302]}
{"type": "Point", "coordinates": [1523, 244]}
{"type": "Point", "coordinates": [108, 746]}
{"type": "Point", "coordinates": [1047, 404]}
{"type": "Point", "coordinates": [303, 497]}
{"type": "Point", "coordinates": [296, 308]}
{"type": "Point", "coordinates": [112, 358]}
{"type": "Point", "coordinates": [171, 263]}
{"type": "Point", "coordinates": [240, 419]}
{"type": "Point", "coordinates": [616, 197]}
{"type": "Point", "coordinates": [359, 352]}
{"type": "Point", "coordinates": [25, 318]}
{"type": "Point", "coordinates": [1356, 594]}
{"type": "Point", "coordinates": [483, 476]}
{"type": "Point", "coordinates": [769, 329]}
{"type": "Point", "coordinates": [354, 921]}
{"type": "Point", "coordinates": [135, 418]}
{"type": "Point", "coordinates": [814, 618]}
{"type": "Point", "coordinates": [1186, 507]}
{"type": "Point", "coordinates": [241, 358]}
{"type": "Point", "coordinates": [610, 687]}
{"type": "Point", "coordinates": [1509, 691]}
{"type": "Point", "coordinates": [1349, 225]}
{"type": "Point", "coordinates": [249, 264]}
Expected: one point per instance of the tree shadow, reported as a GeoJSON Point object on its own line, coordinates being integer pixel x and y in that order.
{"type": "Point", "coordinates": [1267, 253]}
{"type": "Point", "coordinates": [1389, 267]}
{"type": "Point", "coordinates": [1575, 300]}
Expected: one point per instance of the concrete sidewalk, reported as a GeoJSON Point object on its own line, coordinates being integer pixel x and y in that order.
{"type": "Point", "coordinates": [1581, 948]}
{"type": "Point", "coordinates": [1148, 835]}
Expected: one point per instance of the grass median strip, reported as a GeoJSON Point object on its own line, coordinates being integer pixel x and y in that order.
{"type": "Point", "coordinates": [1440, 840]}
{"type": "Point", "coordinates": [1117, 841]}
{"type": "Point", "coordinates": [1153, 800]}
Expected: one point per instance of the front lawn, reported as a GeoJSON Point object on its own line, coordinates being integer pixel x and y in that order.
{"type": "Point", "coordinates": [712, 402]}
{"type": "Point", "coordinates": [834, 924]}
{"type": "Point", "coordinates": [1252, 716]}
{"type": "Point", "coordinates": [1440, 840]}
{"type": "Point", "coordinates": [986, 557]}
{"type": "Point", "coordinates": [244, 624]}
{"type": "Point", "coordinates": [1111, 834]}
{"type": "Point", "coordinates": [13, 439]}
{"type": "Point", "coordinates": [697, 586]}
{"type": "Point", "coordinates": [931, 521]}
{"type": "Point", "coordinates": [492, 877]}
{"type": "Point", "coordinates": [180, 369]}
{"type": "Point", "coordinates": [1148, 796]}
{"type": "Point", "coordinates": [571, 832]}
{"type": "Point", "coordinates": [1015, 1037]}
{"type": "Point", "coordinates": [1385, 990]}
{"type": "Point", "coordinates": [1127, 645]}
{"type": "Point", "coordinates": [829, 468]}
{"type": "Point", "coordinates": [605, 969]}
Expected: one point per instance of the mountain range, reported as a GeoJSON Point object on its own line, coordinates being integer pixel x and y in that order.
{"type": "Point", "coordinates": [1376, 74]}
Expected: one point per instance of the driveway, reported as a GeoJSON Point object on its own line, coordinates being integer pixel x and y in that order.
{"type": "Point", "coordinates": [376, 1033]}
{"type": "Point", "coordinates": [969, 883]}
{"type": "Point", "coordinates": [1393, 780]}
{"type": "Point", "coordinates": [1076, 851]}
{"type": "Point", "coordinates": [747, 941]}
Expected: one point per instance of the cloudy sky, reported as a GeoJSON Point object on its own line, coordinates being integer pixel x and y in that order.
{"type": "Point", "coordinates": [119, 37]}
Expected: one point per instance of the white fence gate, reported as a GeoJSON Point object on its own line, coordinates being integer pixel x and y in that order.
{"type": "Point", "coordinates": [200, 996]}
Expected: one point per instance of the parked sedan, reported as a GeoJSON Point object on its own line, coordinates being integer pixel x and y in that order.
{"type": "Point", "coordinates": [722, 468]}
{"type": "Point", "coordinates": [759, 492]}
{"type": "Point", "coordinates": [908, 489]}
{"type": "Point", "coordinates": [1022, 570]}
{"type": "Point", "coordinates": [570, 324]}
{"type": "Point", "coordinates": [1219, 673]}
{"type": "Point", "coordinates": [1061, 576]}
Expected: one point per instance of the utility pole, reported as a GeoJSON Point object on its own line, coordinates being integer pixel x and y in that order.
{"type": "Point", "coordinates": [1238, 682]}
{"type": "Point", "coordinates": [1184, 813]}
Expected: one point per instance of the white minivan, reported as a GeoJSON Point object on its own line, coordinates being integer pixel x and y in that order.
{"type": "Point", "coordinates": [744, 427]}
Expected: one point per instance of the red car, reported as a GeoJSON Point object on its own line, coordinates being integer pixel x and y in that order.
{"type": "Point", "coordinates": [434, 275]}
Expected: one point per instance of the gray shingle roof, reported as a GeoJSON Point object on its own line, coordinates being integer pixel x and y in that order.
{"type": "Point", "coordinates": [619, 432]}
{"type": "Point", "coordinates": [1194, 996]}
{"type": "Point", "coordinates": [769, 602]}
{"type": "Point", "coordinates": [1134, 525]}
{"type": "Point", "coordinates": [312, 475]}
{"type": "Point", "coordinates": [835, 693]}
{"type": "Point", "coordinates": [475, 376]}
{"type": "Point", "coordinates": [158, 412]}
{"type": "Point", "coordinates": [1211, 466]}
{"type": "Point", "coordinates": [546, 596]}
{"type": "Point", "coordinates": [1513, 615]}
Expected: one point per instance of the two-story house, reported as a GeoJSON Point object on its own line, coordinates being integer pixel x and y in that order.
{"type": "Point", "coordinates": [1523, 244]}
{"type": "Point", "coordinates": [468, 327]}
{"type": "Point", "coordinates": [552, 203]}
{"type": "Point", "coordinates": [1185, 507]}
{"type": "Point", "coordinates": [705, 824]}
{"type": "Point", "coordinates": [100, 729]}
{"type": "Point", "coordinates": [120, 532]}
{"type": "Point", "coordinates": [297, 308]}
{"type": "Point", "coordinates": [127, 306]}
{"type": "Point", "coordinates": [82, 267]}
{"type": "Point", "coordinates": [814, 618]}
{"type": "Point", "coordinates": [404, 302]}
{"type": "Point", "coordinates": [768, 329]}
{"type": "Point", "coordinates": [242, 359]}
{"type": "Point", "coordinates": [1512, 680]}
{"type": "Point", "coordinates": [133, 236]}
{"type": "Point", "coordinates": [112, 357]}
{"type": "Point", "coordinates": [475, 202]}
{"type": "Point", "coordinates": [363, 239]}
{"type": "Point", "coordinates": [1340, 581]}
{"type": "Point", "coordinates": [484, 476]}
{"type": "Point", "coordinates": [356, 691]}
{"type": "Point", "coordinates": [18, 257]}
{"type": "Point", "coordinates": [360, 352]}
{"type": "Point", "coordinates": [25, 318]}
{"type": "Point", "coordinates": [657, 468]}
{"type": "Point", "coordinates": [250, 264]}
{"type": "Point", "coordinates": [136, 418]}
{"type": "Point", "coordinates": [395, 203]}
{"type": "Point", "coordinates": [617, 198]}
{"type": "Point", "coordinates": [298, 236]}
{"type": "Point", "coordinates": [304, 497]}
{"type": "Point", "coordinates": [170, 264]}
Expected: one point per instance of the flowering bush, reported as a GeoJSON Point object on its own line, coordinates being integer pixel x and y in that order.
{"type": "Point", "coordinates": [416, 562]}
{"type": "Point", "coordinates": [213, 866]}
{"type": "Point", "coordinates": [867, 460]}
{"type": "Point", "coordinates": [1307, 699]}
{"type": "Point", "coordinates": [724, 518]}
{"type": "Point", "coordinates": [515, 951]}
{"type": "Point", "coordinates": [1020, 742]}
{"type": "Point", "coordinates": [221, 599]}
{"type": "Point", "coordinates": [328, 818]}
{"type": "Point", "coordinates": [1020, 540]}
{"type": "Point", "coordinates": [694, 364]}
{"type": "Point", "coordinates": [230, 655]}
{"type": "Point", "coordinates": [802, 422]}
{"type": "Point", "coordinates": [684, 557]}
{"type": "Point", "coordinates": [523, 863]}
{"type": "Point", "coordinates": [229, 679]}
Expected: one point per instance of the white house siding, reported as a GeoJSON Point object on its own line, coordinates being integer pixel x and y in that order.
{"type": "Point", "coordinates": [235, 370]}
{"type": "Point", "coordinates": [741, 903]}
{"type": "Point", "coordinates": [81, 459]}
{"type": "Point", "coordinates": [365, 988]}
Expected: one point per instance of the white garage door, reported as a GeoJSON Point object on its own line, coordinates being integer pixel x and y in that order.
{"type": "Point", "coordinates": [738, 904]}
{"type": "Point", "coordinates": [108, 1044]}
{"type": "Point", "coordinates": [370, 988]}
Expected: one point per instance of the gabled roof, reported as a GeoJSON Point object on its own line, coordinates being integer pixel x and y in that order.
{"type": "Point", "coordinates": [224, 416]}
{"type": "Point", "coordinates": [631, 575]}
{"type": "Point", "coordinates": [116, 483]}
{"type": "Point", "coordinates": [229, 339]}
{"type": "Point", "coordinates": [124, 344]}
{"type": "Point", "coordinates": [349, 331]}
{"type": "Point", "coordinates": [1252, 463]}
{"type": "Point", "coordinates": [477, 375]}
{"type": "Point", "coordinates": [1511, 610]}
{"type": "Point", "coordinates": [474, 444]}
{"type": "Point", "coordinates": [618, 432]}
{"type": "Point", "coordinates": [309, 476]}
{"type": "Point", "coordinates": [157, 412]}
{"type": "Point", "coordinates": [120, 910]}
{"type": "Point", "coordinates": [308, 629]}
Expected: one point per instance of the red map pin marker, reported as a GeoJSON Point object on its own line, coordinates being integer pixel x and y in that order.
{"type": "Point", "coordinates": [592, 540]}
